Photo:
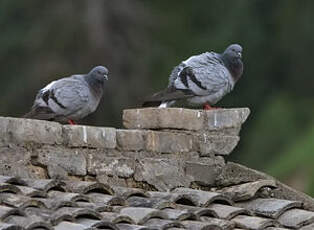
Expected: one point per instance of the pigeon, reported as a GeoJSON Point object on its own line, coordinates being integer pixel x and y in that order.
{"type": "Point", "coordinates": [201, 79]}
{"type": "Point", "coordinates": [71, 98]}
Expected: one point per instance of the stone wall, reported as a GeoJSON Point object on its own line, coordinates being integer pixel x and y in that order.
{"type": "Point", "coordinates": [160, 148]}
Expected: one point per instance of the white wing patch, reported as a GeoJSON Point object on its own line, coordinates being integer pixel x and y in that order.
{"type": "Point", "coordinates": [48, 87]}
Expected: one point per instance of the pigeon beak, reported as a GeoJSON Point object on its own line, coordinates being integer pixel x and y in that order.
{"type": "Point", "coordinates": [240, 54]}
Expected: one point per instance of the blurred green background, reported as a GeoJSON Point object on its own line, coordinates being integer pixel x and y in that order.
{"type": "Point", "coordinates": [141, 41]}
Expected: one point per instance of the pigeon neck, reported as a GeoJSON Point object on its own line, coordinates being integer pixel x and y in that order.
{"type": "Point", "coordinates": [95, 85]}
{"type": "Point", "coordinates": [235, 66]}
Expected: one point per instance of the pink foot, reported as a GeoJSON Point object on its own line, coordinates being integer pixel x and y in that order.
{"type": "Point", "coordinates": [208, 107]}
{"type": "Point", "coordinates": [71, 122]}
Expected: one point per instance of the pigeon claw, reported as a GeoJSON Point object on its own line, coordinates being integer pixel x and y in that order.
{"type": "Point", "coordinates": [208, 107]}
{"type": "Point", "coordinates": [71, 122]}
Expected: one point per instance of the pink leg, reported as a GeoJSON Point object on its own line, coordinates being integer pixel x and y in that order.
{"type": "Point", "coordinates": [71, 122]}
{"type": "Point", "coordinates": [207, 106]}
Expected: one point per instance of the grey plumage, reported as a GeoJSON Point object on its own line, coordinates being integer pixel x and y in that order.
{"type": "Point", "coordinates": [70, 98]}
{"type": "Point", "coordinates": [202, 79]}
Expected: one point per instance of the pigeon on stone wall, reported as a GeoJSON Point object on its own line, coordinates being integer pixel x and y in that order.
{"type": "Point", "coordinates": [71, 98]}
{"type": "Point", "coordinates": [201, 79]}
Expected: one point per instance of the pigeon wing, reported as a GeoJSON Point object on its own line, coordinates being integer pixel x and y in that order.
{"type": "Point", "coordinates": [66, 96]}
{"type": "Point", "coordinates": [203, 77]}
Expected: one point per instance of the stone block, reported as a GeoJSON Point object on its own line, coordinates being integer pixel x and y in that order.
{"type": "Point", "coordinates": [162, 174]}
{"type": "Point", "coordinates": [131, 139]}
{"type": "Point", "coordinates": [73, 161]}
{"type": "Point", "coordinates": [220, 119]}
{"type": "Point", "coordinates": [88, 136]}
{"type": "Point", "coordinates": [205, 171]}
{"type": "Point", "coordinates": [20, 170]}
{"type": "Point", "coordinates": [4, 129]}
{"type": "Point", "coordinates": [119, 167]}
{"type": "Point", "coordinates": [209, 145]}
{"type": "Point", "coordinates": [185, 119]}
{"type": "Point", "coordinates": [167, 118]}
{"type": "Point", "coordinates": [167, 142]}
{"type": "Point", "coordinates": [28, 130]}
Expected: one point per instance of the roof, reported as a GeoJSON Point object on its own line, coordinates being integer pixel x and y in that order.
{"type": "Point", "coordinates": [53, 204]}
{"type": "Point", "coordinates": [165, 171]}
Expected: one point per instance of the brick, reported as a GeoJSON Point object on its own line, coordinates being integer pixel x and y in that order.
{"type": "Point", "coordinates": [29, 130]}
{"type": "Point", "coordinates": [121, 167]}
{"type": "Point", "coordinates": [166, 142]}
{"type": "Point", "coordinates": [73, 161]}
{"type": "Point", "coordinates": [205, 171]}
{"type": "Point", "coordinates": [186, 119]}
{"type": "Point", "coordinates": [169, 118]}
{"type": "Point", "coordinates": [162, 174]}
{"type": "Point", "coordinates": [131, 139]}
{"type": "Point", "coordinates": [219, 119]}
{"type": "Point", "coordinates": [215, 145]}
{"type": "Point", "coordinates": [88, 136]}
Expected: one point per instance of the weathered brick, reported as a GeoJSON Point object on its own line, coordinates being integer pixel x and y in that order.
{"type": "Point", "coordinates": [4, 129]}
{"type": "Point", "coordinates": [73, 161]}
{"type": "Point", "coordinates": [219, 119]}
{"type": "Point", "coordinates": [166, 142]}
{"type": "Point", "coordinates": [96, 157]}
{"type": "Point", "coordinates": [205, 170]}
{"type": "Point", "coordinates": [169, 118]}
{"type": "Point", "coordinates": [29, 130]}
{"type": "Point", "coordinates": [209, 145]}
{"type": "Point", "coordinates": [88, 136]}
{"type": "Point", "coordinates": [111, 166]}
{"type": "Point", "coordinates": [186, 119]}
{"type": "Point", "coordinates": [131, 139]}
{"type": "Point", "coordinates": [162, 174]}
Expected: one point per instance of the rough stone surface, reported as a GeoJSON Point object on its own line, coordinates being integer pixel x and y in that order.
{"type": "Point", "coordinates": [162, 174]}
{"type": "Point", "coordinates": [167, 142]}
{"type": "Point", "coordinates": [97, 159]}
{"type": "Point", "coordinates": [225, 118]}
{"type": "Point", "coordinates": [205, 170]}
{"type": "Point", "coordinates": [88, 136]}
{"type": "Point", "coordinates": [131, 139]}
{"type": "Point", "coordinates": [216, 145]}
{"type": "Point", "coordinates": [4, 122]}
{"type": "Point", "coordinates": [72, 161]}
{"type": "Point", "coordinates": [187, 119]}
{"type": "Point", "coordinates": [169, 118]}
{"type": "Point", "coordinates": [119, 167]}
{"type": "Point", "coordinates": [27, 130]}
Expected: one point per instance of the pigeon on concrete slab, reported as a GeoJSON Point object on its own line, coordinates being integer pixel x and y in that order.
{"type": "Point", "coordinates": [201, 79]}
{"type": "Point", "coordinates": [71, 98]}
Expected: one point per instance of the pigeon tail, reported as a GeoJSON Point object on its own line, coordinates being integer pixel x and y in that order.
{"type": "Point", "coordinates": [151, 104]}
{"type": "Point", "coordinates": [44, 113]}
{"type": "Point", "coordinates": [168, 95]}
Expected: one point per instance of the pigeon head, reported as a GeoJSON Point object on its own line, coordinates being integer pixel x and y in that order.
{"type": "Point", "coordinates": [96, 78]}
{"type": "Point", "coordinates": [232, 59]}
{"type": "Point", "coordinates": [99, 73]}
{"type": "Point", "coordinates": [233, 51]}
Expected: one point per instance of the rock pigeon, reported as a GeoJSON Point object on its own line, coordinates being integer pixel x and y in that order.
{"type": "Point", "coordinates": [201, 79]}
{"type": "Point", "coordinates": [71, 98]}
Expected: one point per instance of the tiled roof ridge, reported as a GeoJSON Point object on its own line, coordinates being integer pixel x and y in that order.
{"type": "Point", "coordinates": [78, 207]}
